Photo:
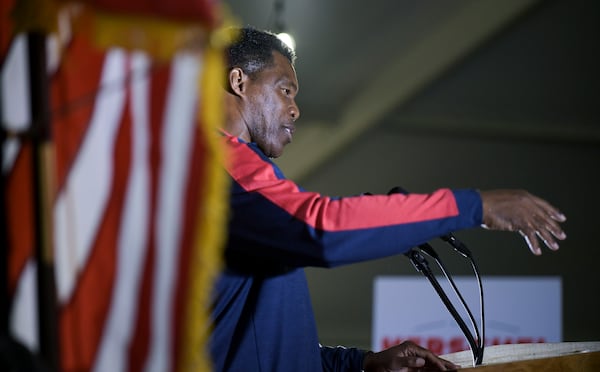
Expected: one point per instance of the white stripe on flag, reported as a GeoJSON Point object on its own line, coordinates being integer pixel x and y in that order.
{"type": "Point", "coordinates": [133, 233]}
{"type": "Point", "coordinates": [179, 121]}
{"type": "Point", "coordinates": [81, 204]}
{"type": "Point", "coordinates": [24, 315]}
{"type": "Point", "coordinates": [16, 113]}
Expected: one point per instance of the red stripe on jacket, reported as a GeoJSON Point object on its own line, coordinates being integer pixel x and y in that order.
{"type": "Point", "coordinates": [322, 212]}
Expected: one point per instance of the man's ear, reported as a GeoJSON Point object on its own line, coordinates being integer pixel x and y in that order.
{"type": "Point", "coordinates": [237, 81]}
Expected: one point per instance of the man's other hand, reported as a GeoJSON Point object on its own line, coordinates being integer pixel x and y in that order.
{"type": "Point", "coordinates": [405, 357]}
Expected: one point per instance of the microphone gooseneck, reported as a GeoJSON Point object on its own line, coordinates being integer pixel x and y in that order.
{"type": "Point", "coordinates": [476, 342]}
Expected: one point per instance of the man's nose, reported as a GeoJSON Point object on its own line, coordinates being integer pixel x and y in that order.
{"type": "Point", "coordinates": [294, 112]}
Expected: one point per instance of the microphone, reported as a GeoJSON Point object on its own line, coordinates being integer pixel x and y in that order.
{"type": "Point", "coordinates": [457, 245]}
{"type": "Point", "coordinates": [421, 265]}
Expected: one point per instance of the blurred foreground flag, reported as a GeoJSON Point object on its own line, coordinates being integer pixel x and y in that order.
{"type": "Point", "coordinates": [137, 196]}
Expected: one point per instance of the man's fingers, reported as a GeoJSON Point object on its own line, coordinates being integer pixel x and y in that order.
{"type": "Point", "coordinates": [558, 216]}
{"type": "Point", "coordinates": [554, 228]}
{"type": "Point", "coordinates": [532, 242]}
{"type": "Point", "coordinates": [444, 365]}
{"type": "Point", "coordinates": [548, 231]}
{"type": "Point", "coordinates": [432, 360]}
{"type": "Point", "coordinates": [550, 210]}
{"type": "Point", "coordinates": [419, 357]}
{"type": "Point", "coordinates": [550, 218]}
{"type": "Point", "coordinates": [532, 239]}
{"type": "Point", "coordinates": [548, 240]}
{"type": "Point", "coordinates": [543, 224]}
{"type": "Point", "coordinates": [413, 362]}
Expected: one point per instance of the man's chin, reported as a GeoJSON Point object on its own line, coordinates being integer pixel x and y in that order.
{"type": "Point", "coordinates": [275, 153]}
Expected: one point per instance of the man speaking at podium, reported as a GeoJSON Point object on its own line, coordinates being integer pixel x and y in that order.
{"type": "Point", "coordinates": [262, 314]}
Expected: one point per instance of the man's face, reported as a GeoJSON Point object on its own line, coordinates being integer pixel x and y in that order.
{"type": "Point", "coordinates": [272, 109]}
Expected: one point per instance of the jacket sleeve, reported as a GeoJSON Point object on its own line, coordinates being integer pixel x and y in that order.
{"type": "Point", "coordinates": [341, 359]}
{"type": "Point", "coordinates": [274, 219]}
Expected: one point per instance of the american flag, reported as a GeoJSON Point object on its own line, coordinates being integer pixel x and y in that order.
{"type": "Point", "coordinates": [138, 209]}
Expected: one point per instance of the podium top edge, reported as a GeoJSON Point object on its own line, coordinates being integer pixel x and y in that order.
{"type": "Point", "coordinates": [512, 352]}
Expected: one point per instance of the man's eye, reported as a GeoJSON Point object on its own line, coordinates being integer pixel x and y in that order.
{"type": "Point", "coordinates": [286, 91]}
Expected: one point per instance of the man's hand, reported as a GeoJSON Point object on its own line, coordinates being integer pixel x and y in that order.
{"type": "Point", "coordinates": [405, 357]}
{"type": "Point", "coordinates": [530, 216]}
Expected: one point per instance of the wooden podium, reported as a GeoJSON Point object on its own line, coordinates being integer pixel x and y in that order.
{"type": "Point", "coordinates": [560, 356]}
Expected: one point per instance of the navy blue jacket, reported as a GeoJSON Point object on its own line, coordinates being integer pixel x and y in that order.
{"type": "Point", "coordinates": [262, 314]}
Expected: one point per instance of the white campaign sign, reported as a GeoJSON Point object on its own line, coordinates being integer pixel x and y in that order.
{"type": "Point", "coordinates": [517, 310]}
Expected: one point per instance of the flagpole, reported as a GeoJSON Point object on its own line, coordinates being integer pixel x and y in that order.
{"type": "Point", "coordinates": [4, 297]}
{"type": "Point", "coordinates": [43, 184]}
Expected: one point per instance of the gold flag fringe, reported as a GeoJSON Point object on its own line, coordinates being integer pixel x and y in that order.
{"type": "Point", "coordinates": [212, 215]}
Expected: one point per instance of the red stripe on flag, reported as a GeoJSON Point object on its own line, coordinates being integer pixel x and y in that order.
{"type": "Point", "coordinates": [139, 347]}
{"type": "Point", "coordinates": [19, 203]}
{"type": "Point", "coordinates": [73, 95]}
{"type": "Point", "coordinates": [6, 27]}
{"type": "Point", "coordinates": [82, 319]}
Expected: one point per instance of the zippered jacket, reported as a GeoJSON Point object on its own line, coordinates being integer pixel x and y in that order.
{"type": "Point", "coordinates": [262, 315]}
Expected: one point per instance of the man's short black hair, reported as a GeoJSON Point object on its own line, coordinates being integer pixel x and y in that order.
{"type": "Point", "coordinates": [252, 50]}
